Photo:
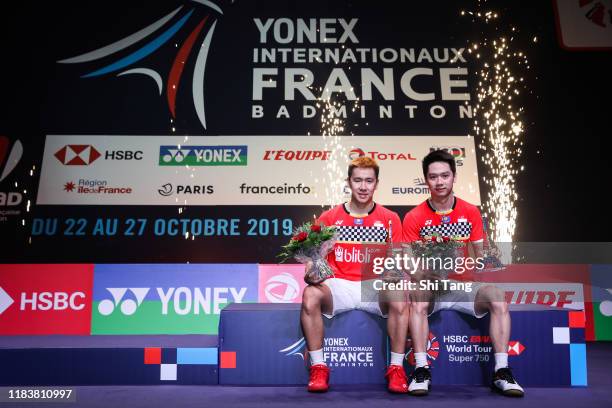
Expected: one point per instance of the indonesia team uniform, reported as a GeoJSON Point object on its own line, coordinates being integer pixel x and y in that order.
{"type": "Point", "coordinates": [463, 221]}
{"type": "Point", "coordinates": [361, 238]}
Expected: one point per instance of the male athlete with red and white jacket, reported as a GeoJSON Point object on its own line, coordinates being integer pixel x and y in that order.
{"type": "Point", "coordinates": [445, 215]}
{"type": "Point", "coordinates": [363, 233]}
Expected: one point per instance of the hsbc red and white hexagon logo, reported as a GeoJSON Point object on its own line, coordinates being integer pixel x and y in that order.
{"type": "Point", "coordinates": [515, 348]}
{"type": "Point", "coordinates": [77, 155]}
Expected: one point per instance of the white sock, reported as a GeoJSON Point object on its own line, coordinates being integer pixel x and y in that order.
{"type": "Point", "coordinates": [501, 360]}
{"type": "Point", "coordinates": [397, 359]}
{"type": "Point", "coordinates": [316, 357]}
{"type": "Point", "coordinates": [421, 359]}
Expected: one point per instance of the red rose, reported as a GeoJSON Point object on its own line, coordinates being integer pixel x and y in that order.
{"type": "Point", "coordinates": [300, 237]}
{"type": "Point", "coordinates": [315, 228]}
{"type": "Point", "coordinates": [446, 239]}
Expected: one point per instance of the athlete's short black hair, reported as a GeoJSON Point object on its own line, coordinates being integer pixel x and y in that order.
{"type": "Point", "coordinates": [439, 156]}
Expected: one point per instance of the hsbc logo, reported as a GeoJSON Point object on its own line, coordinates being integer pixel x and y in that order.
{"type": "Point", "coordinates": [379, 156]}
{"type": "Point", "coordinates": [52, 301]}
{"type": "Point", "coordinates": [515, 348]}
{"type": "Point", "coordinates": [44, 301]}
{"type": "Point", "coordinates": [77, 155]}
{"type": "Point", "coordinates": [5, 300]}
{"type": "Point", "coordinates": [282, 288]}
{"type": "Point", "coordinates": [84, 155]}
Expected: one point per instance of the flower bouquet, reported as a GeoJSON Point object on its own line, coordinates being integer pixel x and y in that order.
{"type": "Point", "coordinates": [311, 243]}
{"type": "Point", "coordinates": [438, 255]}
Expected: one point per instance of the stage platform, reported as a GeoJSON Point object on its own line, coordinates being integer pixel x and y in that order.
{"type": "Point", "coordinates": [597, 394]}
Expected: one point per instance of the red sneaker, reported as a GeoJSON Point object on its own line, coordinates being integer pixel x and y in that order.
{"type": "Point", "coordinates": [319, 378]}
{"type": "Point", "coordinates": [397, 379]}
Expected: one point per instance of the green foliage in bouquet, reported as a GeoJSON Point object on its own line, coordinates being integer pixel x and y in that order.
{"type": "Point", "coordinates": [438, 246]}
{"type": "Point", "coordinates": [306, 237]}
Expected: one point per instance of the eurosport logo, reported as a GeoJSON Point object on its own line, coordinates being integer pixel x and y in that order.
{"type": "Point", "coordinates": [433, 350]}
{"type": "Point", "coordinates": [205, 22]}
{"type": "Point", "coordinates": [297, 155]}
{"type": "Point", "coordinates": [380, 156]}
{"type": "Point", "coordinates": [282, 288]}
{"type": "Point", "coordinates": [283, 189]}
{"type": "Point", "coordinates": [419, 187]}
{"type": "Point", "coordinates": [84, 155]}
{"type": "Point", "coordinates": [203, 155]}
{"type": "Point", "coordinates": [458, 152]}
{"type": "Point", "coordinates": [93, 186]}
{"type": "Point", "coordinates": [169, 189]}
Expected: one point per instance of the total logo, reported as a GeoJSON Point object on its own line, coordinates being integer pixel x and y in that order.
{"type": "Point", "coordinates": [181, 300]}
{"type": "Point", "coordinates": [433, 350]}
{"type": "Point", "coordinates": [458, 152]}
{"type": "Point", "coordinates": [168, 189]}
{"type": "Point", "coordinates": [282, 288]}
{"type": "Point", "coordinates": [179, 155]}
{"type": "Point", "coordinates": [419, 187]}
{"type": "Point", "coordinates": [87, 186]}
{"type": "Point", "coordinates": [84, 155]}
{"type": "Point", "coordinates": [44, 301]}
{"type": "Point", "coordinates": [357, 152]}
{"type": "Point", "coordinates": [354, 255]}
{"type": "Point", "coordinates": [8, 162]}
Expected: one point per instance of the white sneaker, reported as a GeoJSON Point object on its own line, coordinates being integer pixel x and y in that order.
{"type": "Point", "coordinates": [420, 381]}
{"type": "Point", "coordinates": [504, 382]}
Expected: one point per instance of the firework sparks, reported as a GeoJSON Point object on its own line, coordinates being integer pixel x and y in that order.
{"type": "Point", "coordinates": [498, 123]}
{"type": "Point", "coordinates": [333, 129]}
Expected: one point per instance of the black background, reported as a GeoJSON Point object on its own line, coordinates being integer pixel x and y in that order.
{"type": "Point", "coordinates": [563, 191]}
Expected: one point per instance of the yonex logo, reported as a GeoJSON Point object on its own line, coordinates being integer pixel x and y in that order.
{"type": "Point", "coordinates": [203, 155]}
{"type": "Point", "coordinates": [128, 306]}
{"type": "Point", "coordinates": [12, 158]}
{"type": "Point", "coordinates": [282, 288]}
{"type": "Point", "coordinates": [77, 155]}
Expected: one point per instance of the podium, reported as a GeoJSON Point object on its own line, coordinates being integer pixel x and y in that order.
{"type": "Point", "coordinates": [262, 344]}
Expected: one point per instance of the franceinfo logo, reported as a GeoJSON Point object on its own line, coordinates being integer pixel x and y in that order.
{"type": "Point", "coordinates": [179, 155]}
